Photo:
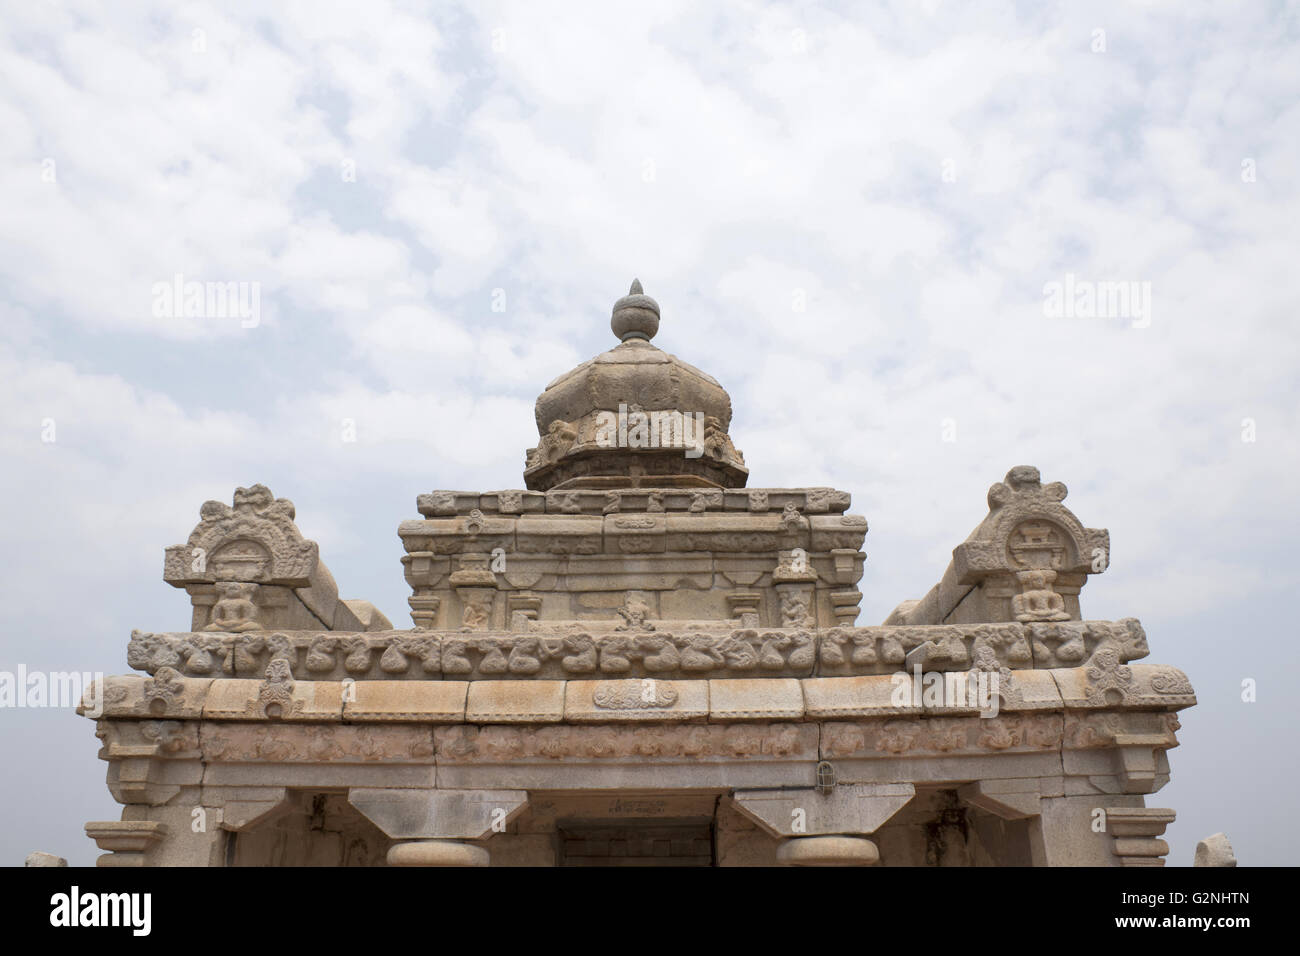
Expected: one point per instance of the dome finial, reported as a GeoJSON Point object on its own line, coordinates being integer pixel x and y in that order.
{"type": "Point", "coordinates": [636, 315]}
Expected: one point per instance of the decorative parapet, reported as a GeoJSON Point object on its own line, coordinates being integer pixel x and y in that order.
{"type": "Point", "coordinates": [1026, 562]}
{"type": "Point", "coordinates": [620, 648]}
{"type": "Point", "coordinates": [247, 567]}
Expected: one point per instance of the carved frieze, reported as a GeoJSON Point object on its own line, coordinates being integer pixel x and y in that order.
{"type": "Point", "coordinates": [494, 744]}
{"type": "Point", "coordinates": [237, 743]}
{"type": "Point", "coordinates": [653, 648]}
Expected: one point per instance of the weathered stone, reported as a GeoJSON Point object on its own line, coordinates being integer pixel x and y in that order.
{"type": "Point", "coordinates": [854, 697]}
{"type": "Point", "coordinates": [508, 701]}
{"type": "Point", "coordinates": [425, 701]}
{"type": "Point", "coordinates": [38, 858]}
{"type": "Point", "coordinates": [1212, 851]}
{"type": "Point", "coordinates": [755, 699]}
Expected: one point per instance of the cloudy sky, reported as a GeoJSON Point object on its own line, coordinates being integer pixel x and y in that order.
{"type": "Point", "coordinates": [848, 216]}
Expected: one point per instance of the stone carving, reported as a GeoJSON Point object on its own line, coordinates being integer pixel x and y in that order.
{"type": "Point", "coordinates": [1092, 731]}
{"type": "Point", "coordinates": [791, 519]}
{"type": "Point", "coordinates": [634, 694]}
{"type": "Point", "coordinates": [476, 610]}
{"type": "Point", "coordinates": [1171, 682]}
{"type": "Point", "coordinates": [635, 613]}
{"type": "Point", "coordinates": [234, 610]}
{"type": "Point", "coordinates": [469, 744]}
{"type": "Point", "coordinates": [275, 693]}
{"type": "Point", "coordinates": [1025, 562]}
{"type": "Point", "coordinates": [649, 651]}
{"type": "Point", "coordinates": [1037, 601]}
{"type": "Point", "coordinates": [253, 540]}
{"type": "Point", "coordinates": [1109, 681]}
{"type": "Point", "coordinates": [164, 691]}
{"type": "Point", "coordinates": [475, 523]}
{"type": "Point", "coordinates": [559, 437]}
{"type": "Point", "coordinates": [247, 567]}
{"type": "Point", "coordinates": [941, 735]}
{"type": "Point", "coordinates": [315, 743]}
{"type": "Point", "coordinates": [794, 610]}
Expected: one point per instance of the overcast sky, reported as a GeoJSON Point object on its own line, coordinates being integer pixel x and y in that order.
{"type": "Point", "coordinates": [848, 216]}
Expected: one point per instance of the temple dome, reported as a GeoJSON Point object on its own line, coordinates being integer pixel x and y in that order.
{"type": "Point", "coordinates": [634, 416]}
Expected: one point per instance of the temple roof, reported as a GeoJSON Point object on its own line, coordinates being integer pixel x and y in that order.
{"type": "Point", "coordinates": [634, 416]}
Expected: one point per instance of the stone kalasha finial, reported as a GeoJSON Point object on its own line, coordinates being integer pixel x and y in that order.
{"type": "Point", "coordinates": [636, 315]}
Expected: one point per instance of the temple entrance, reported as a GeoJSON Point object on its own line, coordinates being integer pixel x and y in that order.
{"type": "Point", "coordinates": [636, 843]}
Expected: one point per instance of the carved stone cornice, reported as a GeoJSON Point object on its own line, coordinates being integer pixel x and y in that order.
{"type": "Point", "coordinates": [581, 649]}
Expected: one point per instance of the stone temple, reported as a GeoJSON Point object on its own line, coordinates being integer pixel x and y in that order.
{"type": "Point", "coordinates": [639, 660]}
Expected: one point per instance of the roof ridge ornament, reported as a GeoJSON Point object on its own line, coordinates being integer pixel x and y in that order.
{"type": "Point", "coordinates": [635, 316]}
